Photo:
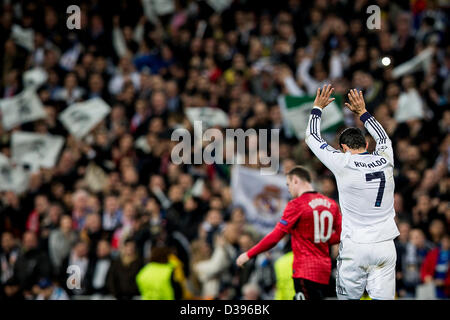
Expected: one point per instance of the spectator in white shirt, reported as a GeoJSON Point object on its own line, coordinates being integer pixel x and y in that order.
{"type": "Point", "coordinates": [71, 92]}
{"type": "Point", "coordinates": [112, 214]}
{"type": "Point", "coordinates": [124, 72]}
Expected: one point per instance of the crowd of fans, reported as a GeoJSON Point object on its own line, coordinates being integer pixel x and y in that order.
{"type": "Point", "coordinates": [114, 198]}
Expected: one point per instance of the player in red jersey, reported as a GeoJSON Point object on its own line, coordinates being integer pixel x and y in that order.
{"type": "Point", "coordinates": [314, 222]}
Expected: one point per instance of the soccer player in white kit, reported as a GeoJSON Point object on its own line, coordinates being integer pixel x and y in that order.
{"type": "Point", "coordinates": [365, 183]}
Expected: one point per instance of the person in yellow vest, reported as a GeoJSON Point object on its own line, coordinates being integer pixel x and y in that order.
{"type": "Point", "coordinates": [156, 280]}
{"type": "Point", "coordinates": [283, 273]}
{"type": "Point", "coordinates": [180, 277]}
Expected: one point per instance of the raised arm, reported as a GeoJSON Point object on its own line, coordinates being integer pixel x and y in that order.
{"type": "Point", "coordinates": [303, 73]}
{"type": "Point", "coordinates": [383, 143]}
{"type": "Point", "coordinates": [329, 156]}
{"type": "Point", "coordinates": [286, 79]}
{"type": "Point", "coordinates": [118, 39]}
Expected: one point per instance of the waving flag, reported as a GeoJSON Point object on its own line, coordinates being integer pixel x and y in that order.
{"type": "Point", "coordinates": [12, 178]}
{"type": "Point", "coordinates": [34, 77]}
{"type": "Point", "coordinates": [263, 197]}
{"type": "Point", "coordinates": [210, 117]}
{"type": "Point", "coordinates": [296, 110]}
{"type": "Point", "coordinates": [23, 107]}
{"type": "Point", "coordinates": [35, 149]}
{"type": "Point", "coordinates": [82, 117]}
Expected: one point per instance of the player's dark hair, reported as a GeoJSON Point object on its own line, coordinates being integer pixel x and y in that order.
{"type": "Point", "coordinates": [300, 172]}
{"type": "Point", "coordinates": [353, 138]}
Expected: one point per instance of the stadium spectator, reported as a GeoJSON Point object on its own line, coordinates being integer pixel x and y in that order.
{"type": "Point", "coordinates": [157, 280]}
{"type": "Point", "coordinates": [79, 258]}
{"type": "Point", "coordinates": [416, 250]}
{"type": "Point", "coordinates": [435, 268]}
{"type": "Point", "coordinates": [50, 291]}
{"type": "Point", "coordinates": [401, 243]}
{"type": "Point", "coordinates": [11, 291]}
{"type": "Point", "coordinates": [112, 215]}
{"type": "Point", "coordinates": [8, 257]}
{"type": "Point", "coordinates": [98, 269]}
{"type": "Point", "coordinates": [215, 270]}
{"type": "Point", "coordinates": [60, 242]}
{"type": "Point", "coordinates": [32, 264]}
{"type": "Point", "coordinates": [122, 272]}
{"type": "Point", "coordinates": [251, 291]}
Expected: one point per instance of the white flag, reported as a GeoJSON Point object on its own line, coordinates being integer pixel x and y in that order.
{"type": "Point", "coordinates": [35, 149]}
{"type": "Point", "coordinates": [421, 61]}
{"type": "Point", "coordinates": [263, 197]}
{"type": "Point", "coordinates": [197, 188]}
{"type": "Point", "coordinates": [203, 118]}
{"type": "Point", "coordinates": [23, 107]}
{"type": "Point", "coordinates": [210, 117]}
{"type": "Point", "coordinates": [12, 178]}
{"type": "Point", "coordinates": [219, 5]}
{"type": "Point", "coordinates": [23, 37]}
{"type": "Point", "coordinates": [155, 8]}
{"type": "Point", "coordinates": [81, 117]}
{"type": "Point", "coordinates": [34, 77]}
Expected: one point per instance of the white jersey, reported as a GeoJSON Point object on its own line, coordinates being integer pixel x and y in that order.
{"type": "Point", "coordinates": [365, 182]}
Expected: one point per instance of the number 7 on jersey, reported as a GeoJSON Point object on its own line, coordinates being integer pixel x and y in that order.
{"type": "Point", "coordinates": [378, 175]}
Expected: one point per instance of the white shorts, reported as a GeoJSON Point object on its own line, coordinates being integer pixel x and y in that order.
{"type": "Point", "coordinates": [366, 266]}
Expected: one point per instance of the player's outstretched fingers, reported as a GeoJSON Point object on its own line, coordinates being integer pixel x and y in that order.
{"type": "Point", "coordinates": [331, 91]}
{"type": "Point", "coordinates": [325, 90]}
{"type": "Point", "coordinates": [355, 95]}
{"type": "Point", "coordinates": [358, 97]}
{"type": "Point", "coordinates": [361, 97]}
{"type": "Point", "coordinates": [350, 97]}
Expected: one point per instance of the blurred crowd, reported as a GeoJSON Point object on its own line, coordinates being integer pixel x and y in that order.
{"type": "Point", "coordinates": [116, 207]}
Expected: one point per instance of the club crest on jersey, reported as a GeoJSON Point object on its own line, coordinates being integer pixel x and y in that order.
{"type": "Point", "coordinates": [269, 200]}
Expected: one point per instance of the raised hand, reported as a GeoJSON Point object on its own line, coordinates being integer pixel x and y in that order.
{"type": "Point", "coordinates": [323, 96]}
{"type": "Point", "coordinates": [357, 104]}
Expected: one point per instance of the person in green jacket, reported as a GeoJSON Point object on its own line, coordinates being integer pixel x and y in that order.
{"type": "Point", "coordinates": [283, 272]}
{"type": "Point", "coordinates": [156, 280]}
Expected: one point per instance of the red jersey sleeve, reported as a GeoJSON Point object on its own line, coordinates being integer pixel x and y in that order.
{"type": "Point", "coordinates": [337, 226]}
{"type": "Point", "coordinates": [290, 217]}
{"type": "Point", "coordinates": [268, 242]}
{"type": "Point", "coordinates": [288, 220]}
